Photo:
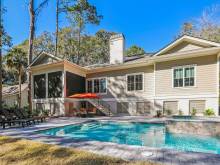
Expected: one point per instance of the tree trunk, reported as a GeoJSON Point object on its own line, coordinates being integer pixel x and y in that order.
{"type": "Point", "coordinates": [57, 27]}
{"type": "Point", "coordinates": [30, 51]}
{"type": "Point", "coordinates": [19, 81]}
{"type": "Point", "coordinates": [1, 28]}
{"type": "Point", "coordinates": [79, 44]}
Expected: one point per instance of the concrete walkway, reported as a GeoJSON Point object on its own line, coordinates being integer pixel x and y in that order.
{"type": "Point", "coordinates": [127, 152]}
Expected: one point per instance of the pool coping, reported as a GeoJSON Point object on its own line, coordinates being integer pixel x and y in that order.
{"type": "Point", "coordinates": [127, 152]}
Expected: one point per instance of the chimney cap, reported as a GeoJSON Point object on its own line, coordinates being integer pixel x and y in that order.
{"type": "Point", "coordinates": [115, 36]}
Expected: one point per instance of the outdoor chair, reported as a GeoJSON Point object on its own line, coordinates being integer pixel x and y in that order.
{"type": "Point", "coordinates": [7, 118]}
{"type": "Point", "coordinates": [21, 116]}
{"type": "Point", "coordinates": [37, 118]}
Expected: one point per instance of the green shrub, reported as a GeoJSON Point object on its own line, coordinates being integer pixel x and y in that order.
{"type": "Point", "coordinates": [35, 112]}
{"type": "Point", "coordinates": [159, 113]}
{"type": "Point", "coordinates": [209, 112]}
{"type": "Point", "coordinates": [45, 112]}
{"type": "Point", "coordinates": [26, 111]}
{"type": "Point", "coordinates": [194, 112]}
{"type": "Point", "coordinates": [168, 111]}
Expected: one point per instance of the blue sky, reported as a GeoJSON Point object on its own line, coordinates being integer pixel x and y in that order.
{"type": "Point", "coordinates": [149, 23]}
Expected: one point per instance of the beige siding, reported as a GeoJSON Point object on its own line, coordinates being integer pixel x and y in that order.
{"type": "Point", "coordinates": [185, 46]}
{"type": "Point", "coordinates": [206, 77]}
{"type": "Point", "coordinates": [116, 83]}
{"type": "Point", "coordinates": [12, 100]}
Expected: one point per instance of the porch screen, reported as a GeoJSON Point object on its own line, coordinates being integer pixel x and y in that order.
{"type": "Point", "coordinates": [40, 86]}
{"type": "Point", "coordinates": [55, 84]}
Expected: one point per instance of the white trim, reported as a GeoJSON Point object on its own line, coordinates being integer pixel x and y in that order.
{"type": "Point", "coordinates": [134, 74]}
{"type": "Point", "coordinates": [46, 75]}
{"type": "Point", "coordinates": [184, 67]}
{"type": "Point", "coordinates": [199, 96]}
{"type": "Point", "coordinates": [154, 79]}
{"type": "Point", "coordinates": [64, 83]}
{"type": "Point", "coordinates": [165, 97]}
{"type": "Point", "coordinates": [44, 53]}
{"type": "Point", "coordinates": [106, 84]}
{"type": "Point", "coordinates": [187, 38]}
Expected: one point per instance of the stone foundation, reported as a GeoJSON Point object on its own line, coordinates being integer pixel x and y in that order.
{"type": "Point", "coordinates": [207, 128]}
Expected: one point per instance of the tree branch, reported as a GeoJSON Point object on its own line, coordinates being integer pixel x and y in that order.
{"type": "Point", "coordinates": [41, 5]}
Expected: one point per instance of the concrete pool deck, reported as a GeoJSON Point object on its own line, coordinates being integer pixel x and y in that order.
{"type": "Point", "coordinates": [127, 152]}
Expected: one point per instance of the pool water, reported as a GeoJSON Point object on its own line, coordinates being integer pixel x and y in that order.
{"type": "Point", "coordinates": [141, 134]}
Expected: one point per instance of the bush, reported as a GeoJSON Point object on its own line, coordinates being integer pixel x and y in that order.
{"type": "Point", "coordinates": [209, 112]}
{"type": "Point", "coordinates": [168, 111]}
{"type": "Point", "coordinates": [35, 112]}
{"type": "Point", "coordinates": [45, 112]}
{"type": "Point", "coordinates": [194, 112]}
{"type": "Point", "coordinates": [26, 111]}
{"type": "Point", "coordinates": [159, 113]}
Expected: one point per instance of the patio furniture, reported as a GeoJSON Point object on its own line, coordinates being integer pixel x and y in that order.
{"type": "Point", "coordinates": [37, 118]}
{"type": "Point", "coordinates": [7, 118]}
{"type": "Point", "coordinates": [20, 116]}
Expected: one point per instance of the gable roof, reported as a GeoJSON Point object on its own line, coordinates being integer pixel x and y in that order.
{"type": "Point", "coordinates": [189, 39]}
{"type": "Point", "coordinates": [41, 56]}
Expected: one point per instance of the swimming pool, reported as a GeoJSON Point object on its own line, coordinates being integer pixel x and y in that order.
{"type": "Point", "coordinates": [141, 134]}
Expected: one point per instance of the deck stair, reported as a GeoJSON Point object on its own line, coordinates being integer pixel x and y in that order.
{"type": "Point", "coordinates": [103, 106]}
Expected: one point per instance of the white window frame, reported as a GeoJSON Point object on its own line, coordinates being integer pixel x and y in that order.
{"type": "Point", "coordinates": [183, 67]}
{"type": "Point", "coordinates": [99, 78]}
{"type": "Point", "coordinates": [134, 74]}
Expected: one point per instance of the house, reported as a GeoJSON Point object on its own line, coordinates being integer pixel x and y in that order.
{"type": "Point", "coordinates": [182, 76]}
{"type": "Point", "coordinates": [10, 95]}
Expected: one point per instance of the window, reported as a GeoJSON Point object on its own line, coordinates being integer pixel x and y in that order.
{"type": "Point", "coordinates": [89, 86]}
{"type": "Point", "coordinates": [184, 76]}
{"type": "Point", "coordinates": [40, 86]}
{"type": "Point", "coordinates": [102, 85]}
{"type": "Point", "coordinates": [97, 85]}
{"type": "Point", "coordinates": [135, 82]}
{"type": "Point", "coordinates": [55, 87]}
{"type": "Point", "coordinates": [178, 77]}
{"type": "Point", "coordinates": [189, 76]}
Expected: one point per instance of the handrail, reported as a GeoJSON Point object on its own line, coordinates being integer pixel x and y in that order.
{"type": "Point", "coordinates": [104, 104]}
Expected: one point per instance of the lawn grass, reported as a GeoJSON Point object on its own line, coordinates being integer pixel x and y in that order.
{"type": "Point", "coordinates": [15, 151]}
